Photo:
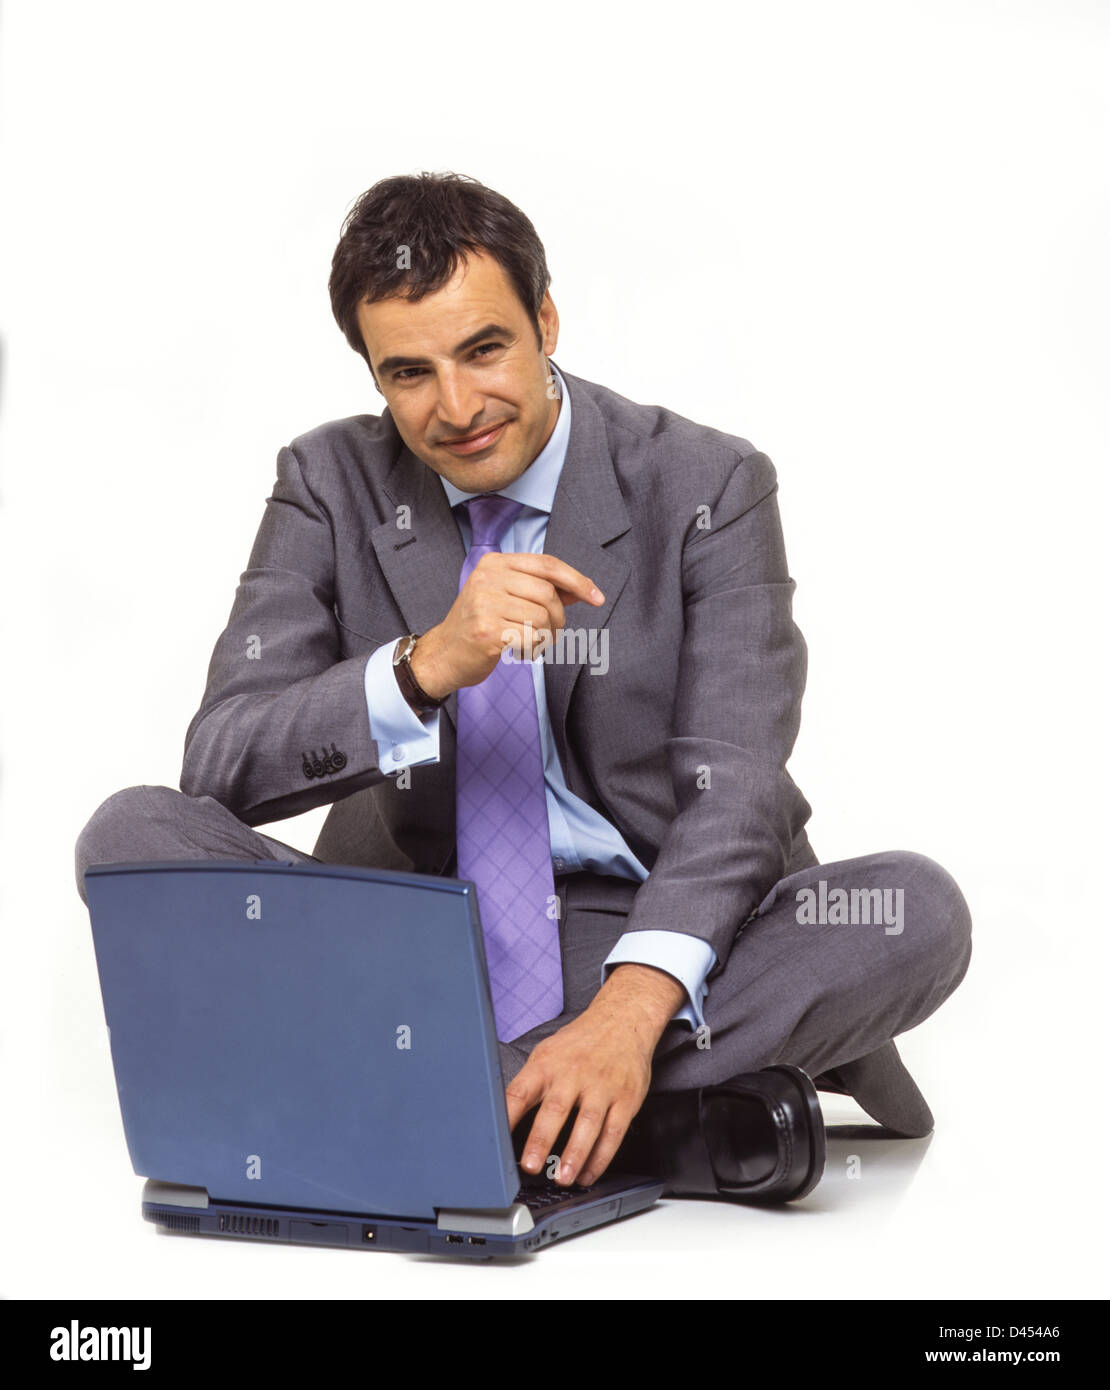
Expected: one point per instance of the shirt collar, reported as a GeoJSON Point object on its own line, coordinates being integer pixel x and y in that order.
{"type": "Point", "coordinates": [536, 485]}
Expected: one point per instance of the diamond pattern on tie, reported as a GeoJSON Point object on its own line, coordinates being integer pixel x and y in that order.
{"type": "Point", "coordinates": [504, 843]}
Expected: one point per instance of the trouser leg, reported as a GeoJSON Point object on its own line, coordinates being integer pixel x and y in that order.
{"type": "Point", "coordinates": [154, 822]}
{"type": "Point", "coordinates": [826, 992]}
{"type": "Point", "coordinates": [815, 994]}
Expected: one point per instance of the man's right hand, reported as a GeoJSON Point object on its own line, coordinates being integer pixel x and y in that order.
{"type": "Point", "coordinates": [508, 598]}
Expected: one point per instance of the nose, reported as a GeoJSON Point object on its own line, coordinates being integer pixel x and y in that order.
{"type": "Point", "coordinates": [459, 406]}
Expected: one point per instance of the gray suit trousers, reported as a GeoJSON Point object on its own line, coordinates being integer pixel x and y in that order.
{"type": "Point", "coordinates": [835, 962]}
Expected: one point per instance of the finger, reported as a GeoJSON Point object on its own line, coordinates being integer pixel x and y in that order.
{"type": "Point", "coordinates": [542, 639]}
{"type": "Point", "coordinates": [572, 583]}
{"type": "Point", "coordinates": [526, 585]}
{"type": "Point", "coordinates": [516, 612]}
{"type": "Point", "coordinates": [609, 1141]}
{"type": "Point", "coordinates": [567, 597]}
{"type": "Point", "coordinates": [534, 640]}
{"type": "Point", "coordinates": [522, 1092]}
{"type": "Point", "coordinates": [520, 1132]}
{"type": "Point", "coordinates": [526, 639]}
{"type": "Point", "coordinates": [545, 1130]}
{"type": "Point", "coordinates": [539, 591]}
{"type": "Point", "coordinates": [583, 1137]}
{"type": "Point", "coordinates": [529, 629]}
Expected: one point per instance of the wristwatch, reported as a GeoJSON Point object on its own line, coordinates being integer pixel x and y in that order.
{"type": "Point", "coordinates": [418, 699]}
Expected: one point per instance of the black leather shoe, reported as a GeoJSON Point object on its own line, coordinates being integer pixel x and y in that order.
{"type": "Point", "coordinates": [759, 1137]}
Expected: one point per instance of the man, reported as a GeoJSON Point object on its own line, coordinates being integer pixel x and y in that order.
{"type": "Point", "coordinates": [398, 647]}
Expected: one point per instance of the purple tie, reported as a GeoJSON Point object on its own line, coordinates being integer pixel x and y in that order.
{"type": "Point", "coordinates": [504, 844]}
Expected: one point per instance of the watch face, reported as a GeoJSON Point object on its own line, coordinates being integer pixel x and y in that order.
{"type": "Point", "coordinates": [402, 649]}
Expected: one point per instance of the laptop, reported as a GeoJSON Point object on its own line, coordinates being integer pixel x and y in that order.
{"type": "Point", "coordinates": [307, 1053]}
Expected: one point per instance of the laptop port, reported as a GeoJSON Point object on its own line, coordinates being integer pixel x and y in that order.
{"type": "Point", "coordinates": [475, 1240]}
{"type": "Point", "coordinates": [454, 1240]}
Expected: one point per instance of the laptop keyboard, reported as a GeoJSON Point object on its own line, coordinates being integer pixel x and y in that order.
{"type": "Point", "coordinates": [541, 1196]}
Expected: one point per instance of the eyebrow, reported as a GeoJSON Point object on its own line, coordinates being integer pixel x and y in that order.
{"type": "Point", "coordinates": [491, 330]}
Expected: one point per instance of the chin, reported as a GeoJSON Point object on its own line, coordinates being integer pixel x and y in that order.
{"type": "Point", "coordinates": [485, 476]}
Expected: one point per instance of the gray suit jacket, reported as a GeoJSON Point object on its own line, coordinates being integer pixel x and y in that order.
{"type": "Point", "coordinates": [682, 743]}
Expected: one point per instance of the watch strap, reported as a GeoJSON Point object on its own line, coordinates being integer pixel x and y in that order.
{"type": "Point", "coordinates": [417, 698]}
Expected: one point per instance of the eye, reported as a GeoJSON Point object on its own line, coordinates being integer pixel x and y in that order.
{"type": "Point", "coordinates": [410, 373]}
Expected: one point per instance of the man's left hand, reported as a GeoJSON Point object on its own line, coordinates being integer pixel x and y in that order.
{"type": "Point", "coordinates": [600, 1063]}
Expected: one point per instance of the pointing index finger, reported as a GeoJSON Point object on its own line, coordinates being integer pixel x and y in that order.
{"type": "Point", "coordinates": [572, 584]}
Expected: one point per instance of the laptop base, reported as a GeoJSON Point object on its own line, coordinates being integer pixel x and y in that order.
{"type": "Point", "coordinates": [546, 1214]}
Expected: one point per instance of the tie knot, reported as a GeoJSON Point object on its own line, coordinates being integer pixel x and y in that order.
{"type": "Point", "coordinates": [490, 517]}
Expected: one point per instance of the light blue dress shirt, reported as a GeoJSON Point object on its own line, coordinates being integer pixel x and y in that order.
{"type": "Point", "coordinates": [580, 837]}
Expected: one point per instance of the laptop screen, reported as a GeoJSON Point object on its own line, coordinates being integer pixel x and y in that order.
{"type": "Point", "coordinates": [308, 1035]}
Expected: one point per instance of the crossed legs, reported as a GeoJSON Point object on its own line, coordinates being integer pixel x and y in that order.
{"type": "Point", "coordinates": [151, 823]}
{"type": "Point", "coordinates": [824, 977]}
{"type": "Point", "coordinates": [800, 985]}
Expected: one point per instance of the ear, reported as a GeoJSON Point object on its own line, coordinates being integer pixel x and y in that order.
{"type": "Point", "coordinates": [549, 325]}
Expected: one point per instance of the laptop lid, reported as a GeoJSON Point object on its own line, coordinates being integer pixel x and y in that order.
{"type": "Point", "coordinates": [308, 1035]}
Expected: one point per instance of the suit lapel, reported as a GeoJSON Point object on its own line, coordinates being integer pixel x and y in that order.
{"type": "Point", "coordinates": [588, 512]}
{"type": "Point", "coordinates": [421, 552]}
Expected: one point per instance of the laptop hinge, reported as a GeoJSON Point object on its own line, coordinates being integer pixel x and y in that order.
{"type": "Point", "coordinates": [174, 1194]}
{"type": "Point", "coordinates": [487, 1221]}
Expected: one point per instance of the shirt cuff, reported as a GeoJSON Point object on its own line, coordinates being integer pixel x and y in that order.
{"type": "Point", "coordinates": [688, 958]}
{"type": "Point", "coordinates": [404, 738]}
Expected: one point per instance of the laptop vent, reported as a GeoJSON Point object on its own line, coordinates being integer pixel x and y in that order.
{"type": "Point", "coordinates": [249, 1225]}
{"type": "Point", "coordinates": [178, 1223]}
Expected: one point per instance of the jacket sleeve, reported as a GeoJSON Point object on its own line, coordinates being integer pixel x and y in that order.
{"type": "Point", "coordinates": [283, 724]}
{"type": "Point", "coordinates": [736, 715]}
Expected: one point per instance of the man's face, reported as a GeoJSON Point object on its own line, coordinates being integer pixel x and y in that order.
{"type": "Point", "coordinates": [460, 363]}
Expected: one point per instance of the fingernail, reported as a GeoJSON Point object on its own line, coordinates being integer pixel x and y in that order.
{"type": "Point", "coordinates": [596, 595]}
{"type": "Point", "coordinates": [566, 1172]}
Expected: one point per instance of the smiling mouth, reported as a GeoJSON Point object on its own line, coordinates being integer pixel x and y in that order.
{"type": "Point", "coordinates": [476, 442]}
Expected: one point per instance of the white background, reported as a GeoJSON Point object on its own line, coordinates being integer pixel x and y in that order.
{"type": "Point", "coordinates": [871, 239]}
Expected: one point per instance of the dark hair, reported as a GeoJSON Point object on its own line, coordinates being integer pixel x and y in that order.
{"type": "Point", "coordinates": [438, 217]}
